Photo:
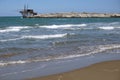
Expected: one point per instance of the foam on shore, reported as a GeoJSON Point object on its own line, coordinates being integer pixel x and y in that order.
{"type": "Point", "coordinates": [98, 49]}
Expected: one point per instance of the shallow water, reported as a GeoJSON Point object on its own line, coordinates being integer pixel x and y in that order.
{"type": "Point", "coordinates": [38, 41]}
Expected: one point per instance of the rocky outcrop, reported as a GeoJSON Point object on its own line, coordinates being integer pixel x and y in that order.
{"type": "Point", "coordinates": [75, 15]}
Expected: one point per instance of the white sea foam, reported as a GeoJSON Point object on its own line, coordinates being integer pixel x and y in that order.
{"type": "Point", "coordinates": [44, 36]}
{"type": "Point", "coordinates": [19, 27]}
{"type": "Point", "coordinates": [63, 26]}
{"type": "Point", "coordinates": [14, 39]}
{"type": "Point", "coordinates": [13, 29]}
{"type": "Point", "coordinates": [36, 37]}
{"type": "Point", "coordinates": [107, 28]}
{"type": "Point", "coordinates": [9, 30]}
{"type": "Point", "coordinates": [98, 49]}
{"type": "Point", "coordinates": [12, 62]}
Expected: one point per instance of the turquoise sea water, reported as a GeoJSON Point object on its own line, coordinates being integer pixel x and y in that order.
{"type": "Point", "coordinates": [42, 40]}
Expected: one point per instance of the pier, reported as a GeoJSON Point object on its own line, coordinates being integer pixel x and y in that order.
{"type": "Point", "coordinates": [29, 13]}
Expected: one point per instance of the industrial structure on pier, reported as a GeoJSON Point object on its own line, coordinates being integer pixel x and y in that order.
{"type": "Point", "coordinates": [27, 12]}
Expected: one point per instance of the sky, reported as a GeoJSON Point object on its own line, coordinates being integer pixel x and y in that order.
{"type": "Point", "coordinates": [12, 7]}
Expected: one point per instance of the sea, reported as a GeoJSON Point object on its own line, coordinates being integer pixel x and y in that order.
{"type": "Point", "coordinates": [32, 47]}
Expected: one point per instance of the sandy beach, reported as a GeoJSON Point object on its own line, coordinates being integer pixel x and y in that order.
{"type": "Point", "coordinates": [108, 70]}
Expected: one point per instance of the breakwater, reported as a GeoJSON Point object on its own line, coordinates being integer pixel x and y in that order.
{"type": "Point", "coordinates": [76, 15]}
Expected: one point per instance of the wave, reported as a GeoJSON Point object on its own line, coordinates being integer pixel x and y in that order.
{"type": "Point", "coordinates": [13, 29]}
{"type": "Point", "coordinates": [63, 26]}
{"type": "Point", "coordinates": [98, 49]}
{"type": "Point", "coordinates": [45, 36]}
{"type": "Point", "coordinates": [36, 37]}
{"type": "Point", "coordinates": [80, 26]}
{"type": "Point", "coordinates": [6, 40]}
{"type": "Point", "coordinates": [93, 28]}
{"type": "Point", "coordinates": [107, 28]}
{"type": "Point", "coordinates": [12, 62]}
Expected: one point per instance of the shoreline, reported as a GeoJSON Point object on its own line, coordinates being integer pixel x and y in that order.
{"type": "Point", "coordinates": [107, 70]}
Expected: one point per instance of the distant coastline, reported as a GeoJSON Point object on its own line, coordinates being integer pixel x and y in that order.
{"type": "Point", "coordinates": [76, 15]}
{"type": "Point", "coordinates": [29, 13]}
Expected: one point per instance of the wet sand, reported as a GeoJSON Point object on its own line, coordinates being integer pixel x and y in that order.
{"type": "Point", "coordinates": [109, 70]}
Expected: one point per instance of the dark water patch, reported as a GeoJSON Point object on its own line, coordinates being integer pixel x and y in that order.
{"type": "Point", "coordinates": [8, 55]}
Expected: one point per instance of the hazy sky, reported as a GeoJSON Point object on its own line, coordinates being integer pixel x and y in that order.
{"type": "Point", "coordinates": [12, 7]}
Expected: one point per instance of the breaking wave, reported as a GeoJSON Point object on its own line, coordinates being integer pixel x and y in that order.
{"type": "Point", "coordinates": [63, 26]}
{"type": "Point", "coordinates": [36, 37]}
{"type": "Point", "coordinates": [45, 36]}
{"type": "Point", "coordinates": [66, 26]}
{"type": "Point", "coordinates": [5, 40]}
{"type": "Point", "coordinates": [13, 29]}
{"type": "Point", "coordinates": [108, 28]}
{"type": "Point", "coordinates": [79, 26]}
{"type": "Point", "coordinates": [98, 49]}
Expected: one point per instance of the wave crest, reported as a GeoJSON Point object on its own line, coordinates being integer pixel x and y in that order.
{"type": "Point", "coordinates": [45, 36]}
{"type": "Point", "coordinates": [13, 29]}
{"type": "Point", "coordinates": [97, 49]}
{"type": "Point", "coordinates": [107, 28]}
{"type": "Point", "coordinates": [37, 37]}
{"type": "Point", "coordinates": [63, 26]}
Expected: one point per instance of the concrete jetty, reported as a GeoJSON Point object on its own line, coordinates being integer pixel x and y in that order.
{"type": "Point", "coordinates": [76, 15]}
{"type": "Point", "coordinates": [29, 13]}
